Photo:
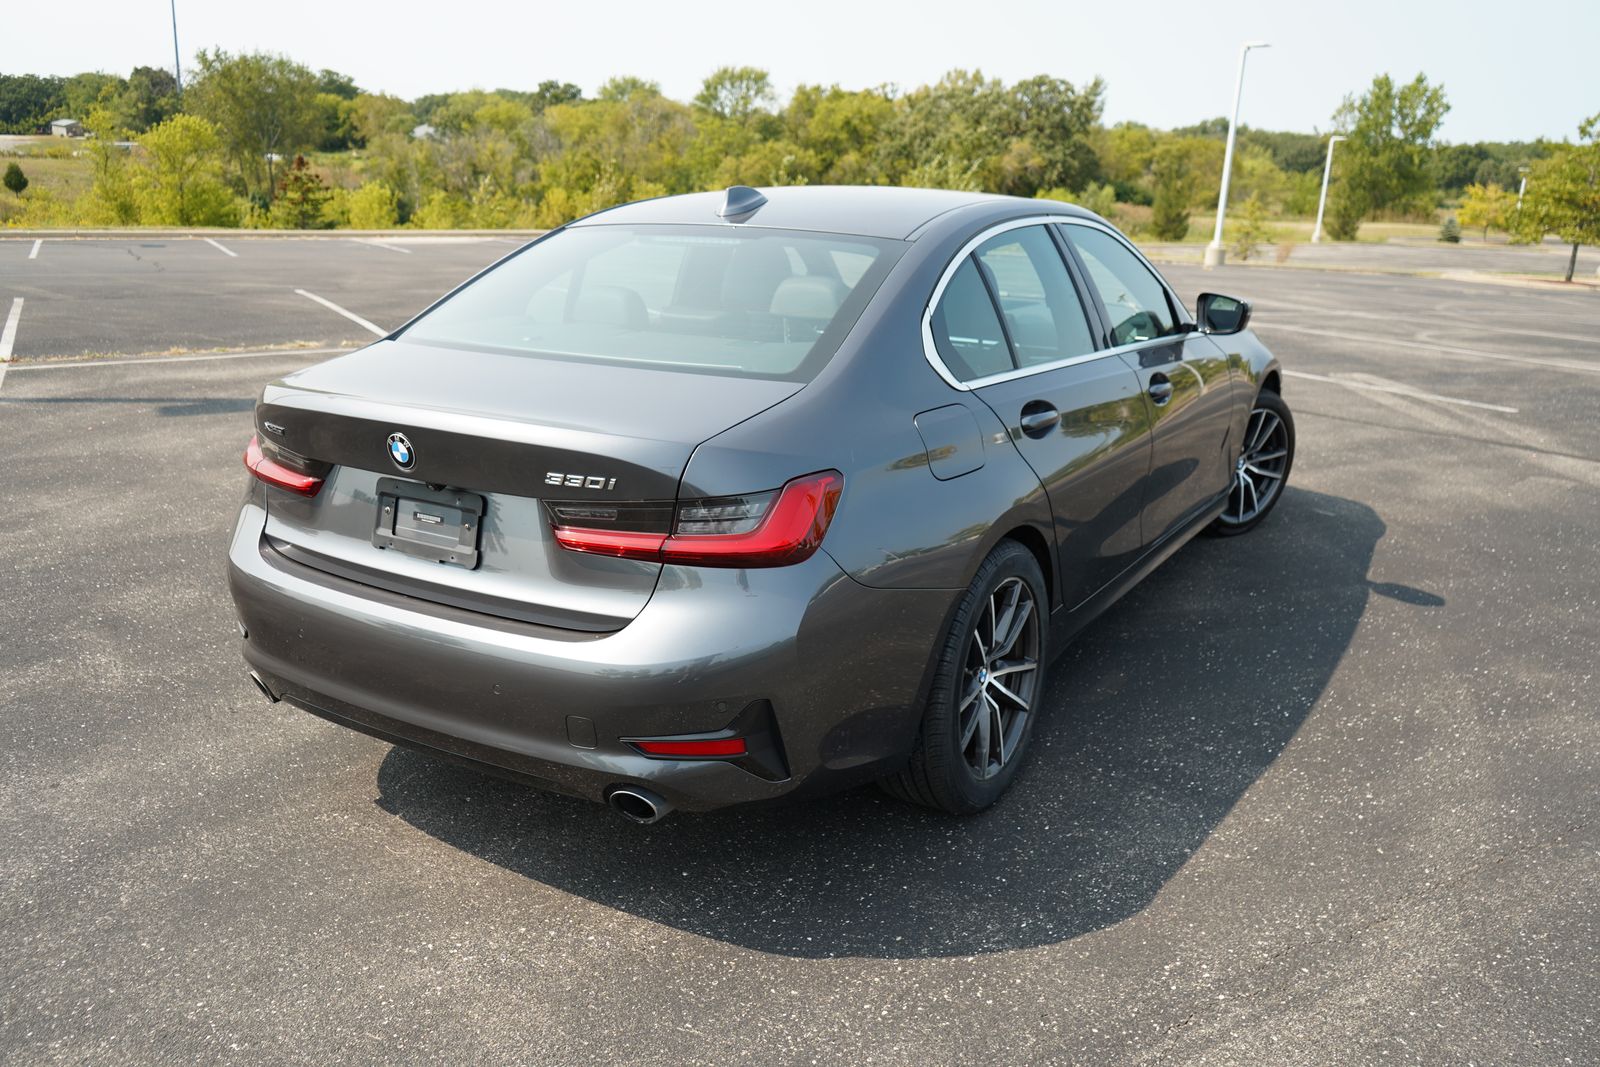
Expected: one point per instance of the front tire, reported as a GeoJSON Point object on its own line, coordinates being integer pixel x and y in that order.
{"type": "Point", "coordinates": [1262, 469]}
{"type": "Point", "coordinates": [986, 692]}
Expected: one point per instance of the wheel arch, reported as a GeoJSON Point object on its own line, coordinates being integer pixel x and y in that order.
{"type": "Point", "coordinates": [1033, 540]}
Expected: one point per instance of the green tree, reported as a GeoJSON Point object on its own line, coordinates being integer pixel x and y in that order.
{"type": "Point", "coordinates": [1055, 119]}
{"type": "Point", "coordinates": [181, 182]}
{"type": "Point", "coordinates": [736, 93]}
{"type": "Point", "coordinates": [1485, 207]}
{"type": "Point", "coordinates": [1173, 176]}
{"type": "Point", "coordinates": [1563, 195]}
{"type": "Point", "coordinates": [1387, 158]}
{"type": "Point", "coordinates": [15, 180]}
{"type": "Point", "coordinates": [263, 107]}
{"type": "Point", "coordinates": [150, 96]}
{"type": "Point", "coordinates": [84, 91]}
{"type": "Point", "coordinates": [28, 101]}
{"type": "Point", "coordinates": [551, 93]}
{"type": "Point", "coordinates": [112, 199]}
{"type": "Point", "coordinates": [335, 84]}
{"type": "Point", "coordinates": [1450, 231]}
{"type": "Point", "coordinates": [626, 87]}
{"type": "Point", "coordinates": [843, 128]}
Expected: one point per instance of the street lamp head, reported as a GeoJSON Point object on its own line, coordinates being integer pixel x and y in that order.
{"type": "Point", "coordinates": [1257, 44]}
{"type": "Point", "coordinates": [1337, 137]}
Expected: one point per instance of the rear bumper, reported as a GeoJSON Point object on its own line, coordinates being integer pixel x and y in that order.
{"type": "Point", "coordinates": [841, 665]}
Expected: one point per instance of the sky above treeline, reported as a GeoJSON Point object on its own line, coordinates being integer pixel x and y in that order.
{"type": "Point", "coordinates": [1512, 72]}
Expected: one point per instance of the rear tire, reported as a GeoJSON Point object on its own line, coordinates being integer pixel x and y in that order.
{"type": "Point", "coordinates": [1262, 470]}
{"type": "Point", "coordinates": [987, 687]}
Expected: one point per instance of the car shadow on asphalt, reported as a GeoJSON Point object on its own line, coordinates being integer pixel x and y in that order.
{"type": "Point", "coordinates": [1157, 720]}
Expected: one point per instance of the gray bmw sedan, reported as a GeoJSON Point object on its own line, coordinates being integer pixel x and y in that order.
{"type": "Point", "coordinates": [731, 496]}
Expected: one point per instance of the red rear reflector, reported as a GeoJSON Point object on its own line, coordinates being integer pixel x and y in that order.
{"type": "Point", "coordinates": [790, 531]}
{"type": "Point", "coordinates": [721, 746]}
{"type": "Point", "coordinates": [274, 473]}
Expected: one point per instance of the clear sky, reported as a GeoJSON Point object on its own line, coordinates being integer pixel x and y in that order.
{"type": "Point", "coordinates": [1512, 71]}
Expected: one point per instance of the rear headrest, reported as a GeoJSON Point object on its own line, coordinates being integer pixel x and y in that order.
{"type": "Point", "coordinates": [809, 296]}
{"type": "Point", "coordinates": [611, 305]}
{"type": "Point", "coordinates": [757, 267]}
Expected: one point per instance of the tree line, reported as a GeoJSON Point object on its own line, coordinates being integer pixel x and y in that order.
{"type": "Point", "coordinates": [260, 140]}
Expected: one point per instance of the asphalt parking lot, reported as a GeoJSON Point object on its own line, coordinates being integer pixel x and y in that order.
{"type": "Point", "coordinates": [1323, 794]}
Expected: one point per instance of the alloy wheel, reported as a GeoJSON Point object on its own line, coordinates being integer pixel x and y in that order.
{"type": "Point", "coordinates": [999, 679]}
{"type": "Point", "coordinates": [1258, 475]}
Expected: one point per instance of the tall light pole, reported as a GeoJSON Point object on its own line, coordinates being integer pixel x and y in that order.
{"type": "Point", "coordinates": [177, 72]}
{"type": "Point", "coordinates": [1322, 201]}
{"type": "Point", "coordinates": [1214, 253]}
{"type": "Point", "coordinates": [1522, 188]}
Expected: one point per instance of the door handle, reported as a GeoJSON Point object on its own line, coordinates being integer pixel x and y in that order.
{"type": "Point", "coordinates": [1038, 418]}
{"type": "Point", "coordinates": [1160, 389]}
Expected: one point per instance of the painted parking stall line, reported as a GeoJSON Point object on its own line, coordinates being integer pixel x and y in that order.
{"type": "Point", "coordinates": [1400, 390]}
{"type": "Point", "coordinates": [33, 253]}
{"type": "Point", "coordinates": [382, 244]}
{"type": "Point", "coordinates": [220, 248]}
{"type": "Point", "coordinates": [8, 337]}
{"type": "Point", "coordinates": [206, 357]}
{"type": "Point", "coordinates": [351, 315]}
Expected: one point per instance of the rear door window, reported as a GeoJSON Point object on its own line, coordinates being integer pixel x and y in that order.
{"type": "Point", "coordinates": [1043, 315]}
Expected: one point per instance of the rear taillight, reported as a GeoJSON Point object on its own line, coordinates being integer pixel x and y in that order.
{"type": "Point", "coordinates": [272, 470]}
{"type": "Point", "coordinates": [771, 529]}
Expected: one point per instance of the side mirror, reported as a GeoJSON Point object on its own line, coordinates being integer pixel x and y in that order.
{"type": "Point", "coordinates": [1220, 314]}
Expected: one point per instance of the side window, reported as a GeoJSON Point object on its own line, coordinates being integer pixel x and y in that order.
{"type": "Point", "coordinates": [1135, 300]}
{"type": "Point", "coordinates": [966, 330]}
{"type": "Point", "coordinates": [1043, 314]}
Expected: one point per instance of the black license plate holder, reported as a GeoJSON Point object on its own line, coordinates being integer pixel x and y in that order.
{"type": "Point", "coordinates": [442, 525]}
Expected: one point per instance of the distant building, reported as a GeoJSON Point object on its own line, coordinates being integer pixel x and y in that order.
{"type": "Point", "coordinates": [423, 132]}
{"type": "Point", "coordinates": [66, 128]}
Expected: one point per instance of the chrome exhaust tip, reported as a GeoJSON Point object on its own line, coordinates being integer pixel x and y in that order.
{"type": "Point", "coordinates": [637, 804]}
{"type": "Point", "coordinates": [266, 690]}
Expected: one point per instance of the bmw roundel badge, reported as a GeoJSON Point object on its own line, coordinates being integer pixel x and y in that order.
{"type": "Point", "coordinates": [400, 450]}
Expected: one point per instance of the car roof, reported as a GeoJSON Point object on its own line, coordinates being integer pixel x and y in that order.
{"type": "Point", "coordinates": [864, 210]}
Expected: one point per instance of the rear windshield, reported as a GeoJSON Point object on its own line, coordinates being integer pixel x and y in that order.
{"type": "Point", "coordinates": [713, 299]}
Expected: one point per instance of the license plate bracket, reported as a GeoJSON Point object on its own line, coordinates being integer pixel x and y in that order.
{"type": "Point", "coordinates": [442, 525]}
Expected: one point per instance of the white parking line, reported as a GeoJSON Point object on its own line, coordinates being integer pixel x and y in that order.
{"type": "Point", "coordinates": [351, 315]}
{"type": "Point", "coordinates": [219, 248]}
{"type": "Point", "coordinates": [121, 361]}
{"type": "Point", "coordinates": [1399, 390]}
{"type": "Point", "coordinates": [8, 337]}
{"type": "Point", "coordinates": [1443, 350]}
{"type": "Point", "coordinates": [381, 244]}
{"type": "Point", "coordinates": [33, 253]}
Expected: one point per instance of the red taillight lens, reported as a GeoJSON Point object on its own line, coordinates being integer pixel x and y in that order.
{"type": "Point", "coordinates": [276, 474]}
{"type": "Point", "coordinates": [718, 746]}
{"type": "Point", "coordinates": [770, 529]}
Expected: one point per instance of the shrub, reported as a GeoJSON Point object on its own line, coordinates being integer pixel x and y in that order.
{"type": "Point", "coordinates": [374, 206]}
{"type": "Point", "coordinates": [1450, 232]}
{"type": "Point", "coordinates": [15, 180]}
{"type": "Point", "coordinates": [1253, 231]}
{"type": "Point", "coordinates": [1345, 211]}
